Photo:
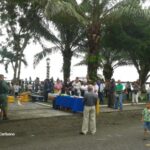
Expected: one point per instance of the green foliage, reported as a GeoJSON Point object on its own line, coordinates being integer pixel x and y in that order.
{"type": "Point", "coordinates": [131, 34]}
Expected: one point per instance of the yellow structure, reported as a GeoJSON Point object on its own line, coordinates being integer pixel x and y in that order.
{"type": "Point", "coordinates": [11, 99]}
{"type": "Point", "coordinates": [24, 98]}
{"type": "Point", "coordinates": [97, 107]}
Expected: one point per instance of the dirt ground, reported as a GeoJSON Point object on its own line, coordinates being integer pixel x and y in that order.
{"type": "Point", "coordinates": [117, 130]}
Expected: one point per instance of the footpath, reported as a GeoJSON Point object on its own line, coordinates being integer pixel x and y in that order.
{"type": "Point", "coordinates": [30, 110]}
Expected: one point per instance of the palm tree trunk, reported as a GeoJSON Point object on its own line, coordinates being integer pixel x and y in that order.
{"type": "Point", "coordinates": [19, 70]}
{"type": "Point", "coordinates": [16, 68]}
{"type": "Point", "coordinates": [67, 56]}
{"type": "Point", "coordinates": [15, 71]}
{"type": "Point", "coordinates": [93, 52]}
{"type": "Point", "coordinates": [143, 77]}
{"type": "Point", "coordinates": [107, 72]}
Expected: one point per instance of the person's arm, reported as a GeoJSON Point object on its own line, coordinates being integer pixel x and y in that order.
{"type": "Point", "coordinates": [85, 98]}
{"type": "Point", "coordinates": [142, 117]}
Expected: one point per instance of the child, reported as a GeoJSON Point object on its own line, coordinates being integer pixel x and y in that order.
{"type": "Point", "coordinates": [146, 119]}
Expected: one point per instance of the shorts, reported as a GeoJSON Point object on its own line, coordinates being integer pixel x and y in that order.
{"type": "Point", "coordinates": [3, 104]}
{"type": "Point", "coordinates": [147, 125]}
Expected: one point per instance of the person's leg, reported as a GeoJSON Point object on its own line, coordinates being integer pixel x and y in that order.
{"type": "Point", "coordinates": [5, 114]}
{"type": "Point", "coordinates": [137, 98]}
{"type": "Point", "coordinates": [109, 100]}
{"type": "Point", "coordinates": [1, 112]}
{"type": "Point", "coordinates": [121, 101]}
{"type": "Point", "coordinates": [145, 130]}
{"type": "Point", "coordinates": [133, 97]}
{"type": "Point", "coordinates": [127, 94]}
{"type": "Point", "coordinates": [92, 120]}
{"type": "Point", "coordinates": [19, 100]}
{"type": "Point", "coordinates": [4, 110]}
{"type": "Point", "coordinates": [101, 98]}
{"type": "Point", "coordinates": [45, 96]}
{"type": "Point", "coordinates": [116, 102]}
{"type": "Point", "coordinates": [85, 120]}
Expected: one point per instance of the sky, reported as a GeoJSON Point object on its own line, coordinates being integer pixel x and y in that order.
{"type": "Point", "coordinates": [126, 73]}
{"type": "Point", "coordinates": [123, 73]}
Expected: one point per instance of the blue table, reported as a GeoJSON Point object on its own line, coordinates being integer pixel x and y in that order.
{"type": "Point", "coordinates": [75, 104]}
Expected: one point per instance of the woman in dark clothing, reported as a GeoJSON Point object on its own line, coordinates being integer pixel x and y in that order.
{"type": "Point", "coordinates": [47, 89]}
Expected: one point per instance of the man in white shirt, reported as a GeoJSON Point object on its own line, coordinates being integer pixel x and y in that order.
{"type": "Point", "coordinates": [84, 88]}
{"type": "Point", "coordinates": [16, 92]}
{"type": "Point", "coordinates": [101, 87]}
{"type": "Point", "coordinates": [77, 87]}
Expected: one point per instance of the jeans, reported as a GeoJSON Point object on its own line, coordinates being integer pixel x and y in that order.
{"type": "Point", "coordinates": [146, 125]}
{"type": "Point", "coordinates": [118, 101]}
{"type": "Point", "coordinates": [101, 97]}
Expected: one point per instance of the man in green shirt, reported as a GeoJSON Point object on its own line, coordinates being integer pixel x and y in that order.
{"type": "Point", "coordinates": [3, 97]}
{"type": "Point", "coordinates": [118, 96]}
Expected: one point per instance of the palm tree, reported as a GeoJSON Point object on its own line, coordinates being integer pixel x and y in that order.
{"type": "Point", "coordinates": [16, 22]}
{"type": "Point", "coordinates": [112, 59]}
{"type": "Point", "coordinates": [109, 61]}
{"type": "Point", "coordinates": [132, 37]}
{"type": "Point", "coordinates": [66, 42]}
{"type": "Point", "coordinates": [92, 15]}
{"type": "Point", "coordinates": [9, 58]}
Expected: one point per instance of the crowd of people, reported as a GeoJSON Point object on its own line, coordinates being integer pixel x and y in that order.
{"type": "Point", "coordinates": [114, 91]}
{"type": "Point", "coordinates": [110, 91]}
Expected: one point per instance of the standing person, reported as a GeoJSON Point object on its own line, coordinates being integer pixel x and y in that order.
{"type": "Point", "coordinates": [135, 92]}
{"type": "Point", "coordinates": [89, 113]}
{"type": "Point", "coordinates": [95, 88]}
{"type": "Point", "coordinates": [58, 86]}
{"type": "Point", "coordinates": [118, 96]}
{"type": "Point", "coordinates": [36, 84]}
{"type": "Point", "coordinates": [4, 89]}
{"type": "Point", "coordinates": [16, 92]}
{"type": "Point", "coordinates": [46, 89]}
{"type": "Point", "coordinates": [77, 87]}
{"type": "Point", "coordinates": [146, 119]}
{"type": "Point", "coordinates": [101, 87]}
{"type": "Point", "coordinates": [84, 88]}
{"type": "Point", "coordinates": [68, 86]}
{"type": "Point", "coordinates": [128, 90]}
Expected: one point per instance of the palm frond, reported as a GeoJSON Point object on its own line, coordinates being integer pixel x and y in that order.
{"type": "Point", "coordinates": [82, 62]}
{"type": "Point", "coordinates": [41, 55]}
{"type": "Point", "coordinates": [122, 63]}
{"type": "Point", "coordinates": [24, 61]}
{"type": "Point", "coordinates": [61, 9]}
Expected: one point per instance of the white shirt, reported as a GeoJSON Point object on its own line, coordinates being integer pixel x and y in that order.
{"type": "Point", "coordinates": [84, 88]}
{"type": "Point", "coordinates": [95, 88]}
{"type": "Point", "coordinates": [16, 88]}
{"type": "Point", "coordinates": [76, 85]}
{"type": "Point", "coordinates": [102, 86]}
